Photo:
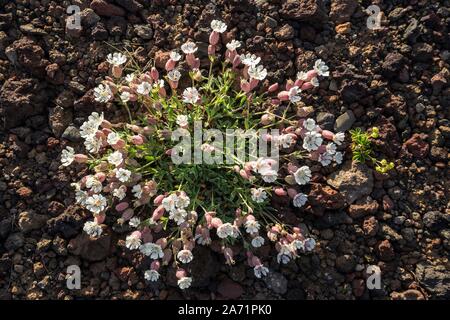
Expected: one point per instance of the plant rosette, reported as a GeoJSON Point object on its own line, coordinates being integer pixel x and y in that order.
{"type": "Point", "coordinates": [171, 207]}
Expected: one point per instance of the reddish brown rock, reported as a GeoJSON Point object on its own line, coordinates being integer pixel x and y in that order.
{"type": "Point", "coordinates": [104, 8]}
{"type": "Point", "coordinates": [24, 192]}
{"type": "Point", "coordinates": [370, 226]}
{"type": "Point", "coordinates": [326, 197]}
{"type": "Point", "coordinates": [342, 10]}
{"type": "Point", "coordinates": [161, 58]}
{"type": "Point", "coordinates": [91, 249]}
{"type": "Point", "coordinates": [28, 55]}
{"type": "Point", "coordinates": [388, 204]}
{"type": "Point", "coordinates": [416, 145]}
{"type": "Point", "coordinates": [54, 74]}
{"type": "Point", "coordinates": [410, 294]}
{"type": "Point", "coordinates": [385, 250]}
{"type": "Point", "coordinates": [230, 289]}
{"type": "Point", "coordinates": [362, 208]}
{"type": "Point", "coordinates": [304, 10]}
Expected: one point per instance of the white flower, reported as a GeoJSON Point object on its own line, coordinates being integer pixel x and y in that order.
{"type": "Point", "coordinates": [120, 192]}
{"type": "Point", "coordinates": [144, 88]}
{"type": "Point", "coordinates": [301, 75]}
{"type": "Point", "coordinates": [81, 197]}
{"type": "Point", "coordinates": [302, 175]}
{"type": "Point", "coordinates": [67, 156]}
{"type": "Point", "coordinates": [338, 157]}
{"type": "Point", "coordinates": [137, 191]}
{"type": "Point", "coordinates": [93, 144]}
{"type": "Point", "coordinates": [252, 226]}
{"type": "Point", "coordinates": [250, 59]}
{"type": "Point", "coordinates": [151, 275]}
{"type": "Point", "coordinates": [218, 26]}
{"type": "Point", "coordinates": [190, 95]}
{"type": "Point", "coordinates": [285, 254]}
{"type": "Point", "coordinates": [184, 283]}
{"type": "Point", "coordinates": [182, 201]}
{"type": "Point", "coordinates": [257, 72]}
{"type": "Point", "coordinates": [294, 94]}
{"type": "Point", "coordinates": [96, 119]}
{"type": "Point", "coordinates": [134, 222]}
{"type": "Point", "coordinates": [325, 158]}
{"type": "Point", "coordinates": [178, 215]}
{"type": "Point", "coordinates": [93, 184]}
{"type": "Point", "coordinates": [168, 203]}
{"type": "Point", "coordinates": [102, 93]}
{"type": "Point", "coordinates": [233, 45]}
{"type": "Point", "coordinates": [257, 241]}
{"type": "Point", "coordinates": [113, 138]}
{"type": "Point", "coordinates": [260, 271]}
{"type": "Point", "coordinates": [189, 47]}
{"type": "Point", "coordinates": [88, 130]}
{"type": "Point", "coordinates": [132, 242]}
{"type": "Point", "coordinates": [227, 230]}
{"type": "Point", "coordinates": [258, 195]}
{"type": "Point", "coordinates": [182, 120]}
{"type": "Point", "coordinates": [116, 59]}
{"type": "Point", "coordinates": [123, 174]}
{"type": "Point", "coordinates": [314, 81]}
{"type": "Point", "coordinates": [96, 203]}
{"type": "Point", "coordinates": [285, 140]}
{"type": "Point", "coordinates": [151, 250]}
{"type": "Point", "coordinates": [269, 176]}
{"type": "Point", "coordinates": [261, 165]}
{"type": "Point", "coordinates": [115, 158]}
{"type": "Point", "coordinates": [185, 256]}
{"type": "Point", "coordinates": [175, 56]}
{"type": "Point", "coordinates": [338, 138]}
{"type": "Point", "coordinates": [309, 124]}
{"type": "Point", "coordinates": [321, 68]}
{"type": "Point", "coordinates": [310, 244]}
{"type": "Point", "coordinates": [312, 140]}
{"type": "Point", "coordinates": [93, 229]}
{"type": "Point", "coordinates": [299, 200]}
{"type": "Point", "coordinates": [125, 96]}
{"type": "Point", "coordinates": [331, 148]}
{"type": "Point", "coordinates": [174, 75]}
{"type": "Point", "coordinates": [129, 77]}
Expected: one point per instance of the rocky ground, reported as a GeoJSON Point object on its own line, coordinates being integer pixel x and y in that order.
{"type": "Point", "coordinates": [395, 78]}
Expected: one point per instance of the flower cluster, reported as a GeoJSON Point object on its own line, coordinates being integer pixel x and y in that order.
{"type": "Point", "coordinates": [170, 209]}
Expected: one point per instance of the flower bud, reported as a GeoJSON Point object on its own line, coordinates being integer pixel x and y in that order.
{"type": "Point", "coordinates": [170, 65]}
{"type": "Point", "coordinates": [216, 222]}
{"type": "Point", "coordinates": [214, 38]}
{"type": "Point", "coordinates": [158, 213]}
{"type": "Point", "coordinates": [117, 71]}
{"type": "Point", "coordinates": [128, 214]}
{"type": "Point", "coordinates": [327, 134]}
{"type": "Point", "coordinates": [162, 242]}
{"type": "Point", "coordinates": [158, 200]}
{"type": "Point", "coordinates": [100, 218]}
{"type": "Point", "coordinates": [211, 50]}
{"type": "Point", "coordinates": [307, 86]}
{"type": "Point", "coordinates": [181, 273]}
{"type": "Point", "coordinates": [137, 140]}
{"type": "Point", "coordinates": [292, 193]}
{"type": "Point", "coordinates": [154, 74]}
{"type": "Point", "coordinates": [273, 87]}
{"type": "Point", "coordinates": [80, 158]}
{"type": "Point", "coordinates": [280, 192]}
{"type": "Point", "coordinates": [155, 265]}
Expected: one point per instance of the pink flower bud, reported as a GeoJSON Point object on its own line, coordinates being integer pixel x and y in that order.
{"type": "Point", "coordinates": [154, 74]}
{"type": "Point", "coordinates": [253, 83]}
{"type": "Point", "coordinates": [170, 65]}
{"type": "Point", "coordinates": [136, 234]}
{"type": "Point", "coordinates": [244, 174]}
{"type": "Point", "coordinates": [100, 176]}
{"type": "Point", "coordinates": [256, 261]}
{"type": "Point", "coordinates": [307, 86]}
{"type": "Point", "coordinates": [117, 71]}
{"type": "Point", "coordinates": [106, 124]}
{"type": "Point", "coordinates": [181, 273]}
{"type": "Point", "coordinates": [167, 257]}
{"type": "Point", "coordinates": [280, 192]}
{"type": "Point", "coordinates": [289, 84]}
{"type": "Point", "coordinates": [120, 144]}
{"type": "Point", "coordinates": [158, 213]}
{"type": "Point", "coordinates": [158, 200]}
{"type": "Point", "coordinates": [122, 206]}
{"type": "Point", "coordinates": [100, 218]}
{"type": "Point", "coordinates": [137, 140]}
{"type": "Point", "coordinates": [292, 193]}
{"type": "Point", "coordinates": [214, 38]}
{"type": "Point", "coordinates": [128, 214]}
{"type": "Point", "coordinates": [292, 168]}
{"type": "Point", "coordinates": [250, 217]}
{"type": "Point", "coordinates": [147, 235]}
{"type": "Point", "coordinates": [211, 50]}
{"type": "Point", "coordinates": [196, 64]}
{"type": "Point", "coordinates": [298, 83]}
{"type": "Point", "coordinates": [228, 254]}
{"type": "Point", "coordinates": [283, 95]}
{"type": "Point", "coordinates": [190, 59]}
{"type": "Point", "coordinates": [245, 86]}
{"type": "Point", "coordinates": [327, 134]}
{"type": "Point", "coordinates": [155, 265]}
{"type": "Point", "coordinates": [273, 87]}
{"type": "Point", "coordinates": [162, 242]}
{"type": "Point", "coordinates": [216, 222]}
{"type": "Point", "coordinates": [80, 158]}
{"type": "Point", "coordinates": [162, 91]}
{"type": "Point", "coordinates": [311, 74]}
{"type": "Point", "coordinates": [173, 84]}
{"type": "Point", "coordinates": [236, 61]}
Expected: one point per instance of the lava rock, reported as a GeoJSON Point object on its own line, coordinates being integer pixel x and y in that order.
{"type": "Point", "coordinates": [104, 8]}
{"type": "Point", "coordinates": [276, 282]}
{"type": "Point", "coordinates": [436, 220]}
{"type": "Point", "coordinates": [345, 121]}
{"type": "Point", "coordinates": [230, 289]}
{"type": "Point", "coordinates": [14, 241]}
{"type": "Point", "coordinates": [25, 53]}
{"type": "Point", "coordinates": [92, 249]}
{"type": "Point", "coordinates": [436, 279]}
{"type": "Point", "coordinates": [29, 220]}
{"type": "Point", "coordinates": [353, 180]}
{"type": "Point", "coordinates": [304, 10]}
{"type": "Point", "coordinates": [342, 10]}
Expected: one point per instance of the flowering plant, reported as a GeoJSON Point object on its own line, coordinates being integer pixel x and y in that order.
{"type": "Point", "coordinates": [172, 203]}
